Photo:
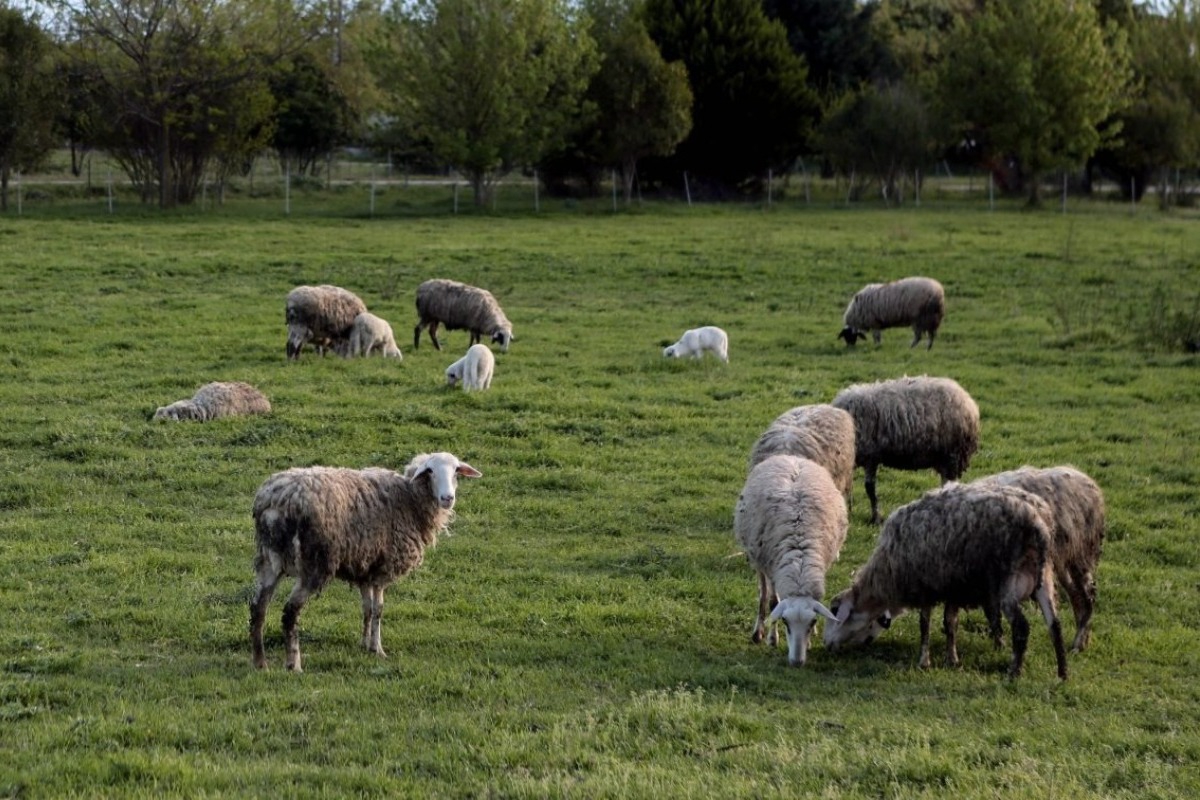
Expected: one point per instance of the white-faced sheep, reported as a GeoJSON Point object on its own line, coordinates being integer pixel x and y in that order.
{"type": "Point", "coordinates": [457, 305]}
{"type": "Point", "coordinates": [474, 369]}
{"type": "Point", "coordinates": [818, 432]}
{"type": "Point", "coordinates": [367, 527]}
{"type": "Point", "coordinates": [963, 545]}
{"type": "Point", "coordinates": [216, 400]}
{"type": "Point", "coordinates": [371, 334]}
{"type": "Point", "coordinates": [1077, 504]}
{"type": "Point", "coordinates": [911, 424]}
{"type": "Point", "coordinates": [919, 302]}
{"type": "Point", "coordinates": [321, 315]}
{"type": "Point", "coordinates": [696, 342]}
{"type": "Point", "coordinates": [791, 521]}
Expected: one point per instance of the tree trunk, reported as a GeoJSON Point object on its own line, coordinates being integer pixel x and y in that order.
{"type": "Point", "coordinates": [165, 195]}
{"type": "Point", "coordinates": [4, 188]}
{"type": "Point", "coordinates": [628, 173]}
{"type": "Point", "coordinates": [1035, 191]}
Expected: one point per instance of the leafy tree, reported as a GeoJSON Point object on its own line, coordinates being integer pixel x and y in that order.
{"type": "Point", "coordinates": [491, 84]}
{"type": "Point", "coordinates": [1035, 79]}
{"type": "Point", "coordinates": [913, 32]}
{"type": "Point", "coordinates": [835, 38]}
{"type": "Point", "coordinates": [27, 106]}
{"type": "Point", "coordinates": [312, 116]}
{"type": "Point", "coordinates": [752, 108]}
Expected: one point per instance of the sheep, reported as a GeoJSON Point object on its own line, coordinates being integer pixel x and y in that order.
{"type": "Point", "coordinates": [695, 342]}
{"type": "Point", "coordinates": [818, 432]}
{"type": "Point", "coordinates": [369, 334]}
{"type": "Point", "coordinates": [216, 400]}
{"type": "Point", "coordinates": [791, 521]}
{"type": "Point", "coordinates": [457, 305]}
{"type": "Point", "coordinates": [367, 527]}
{"type": "Point", "coordinates": [919, 302]}
{"type": "Point", "coordinates": [474, 369]}
{"type": "Point", "coordinates": [323, 315]}
{"type": "Point", "coordinates": [911, 424]}
{"type": "Point", "coordinates": [964, 545]}
{"type": "Point", "coordinates": [1079, 521]}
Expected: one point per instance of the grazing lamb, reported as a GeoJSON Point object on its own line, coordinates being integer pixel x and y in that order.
{"type": "Point", "coordinates": [457, 305]}
{"type": "Point", "coordinates": [791, 521]}
{"type": "Point", "coordinates": [1079, 521]}
{"type": "Point", "coordinates": [695, 342]}
{"type": "Point", "coordinates": [919, 302]}
{"type": "Point", "coordinates": [964, 545]}
{"type": "Point", "coordinates": [821, 433]}
{"type": "Point", "coordinates": [367, 527]}
{"type": "Point", "coordinates": [474, 369]}
{"type": "Point", "coordinates": [323, 315]}
{"type": "Point", "coordinates": [371, 334]}
{"type": "Point", "coordinates": [216, 400]}
{"type": "Point", "coordinates": [911, 424]}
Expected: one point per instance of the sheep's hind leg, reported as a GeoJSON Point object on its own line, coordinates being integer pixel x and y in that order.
{"type": "Point", "coordinates": [1045, 600]}
{"type": "Point", "coordinates": [270, 568]}
{"type": "Point", "coordinates": [291, 618]}
{"type": "Point", "coordinates": [950, 628]}
{"type": "Point", "coordinates": [366, 592]}
{"type": "Point", "coordinates": [376, 645]}
{"type": "Point", "coordinates": [924, 662]}
{"type": "Point", "coordinates": [869, 483]}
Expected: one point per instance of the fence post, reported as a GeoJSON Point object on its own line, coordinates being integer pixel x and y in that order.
{"type": "Point", "coordinates": [687, 189]}
{"type": "Point", "coordinates": [456, 197]}
{"type": "Point", "coordinates": [287, 187]}
{"type": "Point", "coordinates": [614, 185]}
{"type": "Point", "coordinates": [18, 193]}
{"type": "Point", "coordinates": [991, 192]}
{"type": "Point", "coordinates": [917, 186]}
{"type": "Point", "coordinates": [110, 192]}
{"type": "Point", "coordinates": [1064, 192]}
{"type": "Point", "coordinates": [537, 207]}
{"type": "Point", "coordinates": [770, 179]}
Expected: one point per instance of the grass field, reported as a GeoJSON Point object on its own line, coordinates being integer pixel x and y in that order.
{"type": "Point", "coordinates": [585, 629]}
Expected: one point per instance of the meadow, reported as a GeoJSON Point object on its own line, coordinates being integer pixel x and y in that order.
{"type": "Point", "coordinates": [584, 630]}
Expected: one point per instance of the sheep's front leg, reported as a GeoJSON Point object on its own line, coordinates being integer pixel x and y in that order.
{"type": "Point", "coordinates": [869, 473]}
{"type": "Point", "coordinates": [368, 603]}
{"type": "Point", "coordinates": [766, 604]}
{"type": "Point", "coordinates": [376, 645]}
{"type": "Point", "coordinates": [924, 661]}
{"type": "Point", "coordinates": [950, 628]}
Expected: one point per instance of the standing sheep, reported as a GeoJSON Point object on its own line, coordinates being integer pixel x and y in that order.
{"type": "Point", "coordinates": [474, 369]}
{"type": "Point", "coordinates": [367, 527]}
{"type": "Point", "coordinates": [791, 521]}
{"type": "Point", "coordinates": [457, 305]}
{"type": "Point", "coordinates": [216, 400]}
{"type": "Point", "coordinates": [1079, 521]}
{"type": "Point", "coordinates": [963, 545]}
{"type": "Point", "coordinates": [323, 315]}
{"type": "Point", "coordinates": [919, 302]}
{"type": "Point", "coordinates": [695, 342]}
{"type": "Point", "coordinates": [371, 333]}
{"type": "Point", "coordinates": [911, 424]}
{"type": "Point", "coordinates": [821, 433]}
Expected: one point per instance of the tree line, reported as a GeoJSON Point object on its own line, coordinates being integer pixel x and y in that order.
{"type": "Point", "coordinates": [718, 93]}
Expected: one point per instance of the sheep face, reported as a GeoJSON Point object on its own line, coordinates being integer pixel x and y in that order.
{"type": "Point", "coordinates": [851, 335]}
{"type": "Point", "coordinates": [178, 411]}
{"type": "Point", "coordinates": [503, 337]}
{"type": "Point", "coordinates": [799, 614]}
{"type": "Point", "coordinates": [851, 625]}
{"type": "Point", "coordinates": [444, 470]}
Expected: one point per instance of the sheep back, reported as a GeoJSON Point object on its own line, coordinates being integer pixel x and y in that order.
{"type": "Point", "coordinates": [820, 432]}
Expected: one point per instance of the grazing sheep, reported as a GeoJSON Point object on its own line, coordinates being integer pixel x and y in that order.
{"type": "Point", "coordinates": [964, 545]}
{"type": "Point", "coordinates": [371, 333]}
{"type": "Point", "coordinates": [911, 424]}
{"type": "Point", "coordinates": [919, 302]}
{"type": "Point", "coordinates": [695, 342]}
{"type": "Point", "coordinates": [323, 315]}
{"type": "Point", "coordinates": [216, 400]}
{"type": "Point", "coordinates": [1079, 520]}
{"type": "Point", "coordinates": [791, 521]}
{"type": "Point", "coordinates": [457, 305]}
{"type": "Point", "coordinates": [474, 369]}
{"type": "Point", "coordinates": [821, 433]}
{"type": "Point", "coordinates": [368, 527]}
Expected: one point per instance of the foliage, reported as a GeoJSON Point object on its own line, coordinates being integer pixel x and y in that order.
{"type": "Point", "coordinates": [914, 33]}
{"type": "Point", "coordinates": [835, 38]}
{"type": "Point", "coordinates": [27, 97]}
{"type": "Point", "coordinates": [752, 108]}
{"type": "Point", "coordinates": [492, 85]}
{"type": "Point", "coordinates": [312, 116]}
{"type": "Point", "coordinates": [1034, 79]}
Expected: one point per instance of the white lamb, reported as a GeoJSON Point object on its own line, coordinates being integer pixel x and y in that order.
{"type": "Point", "coordinates": [695, 342]}
{"type": "Point", "coordinates": [474, 369]}
{"type": "Point", "coordinates": [370, 334]}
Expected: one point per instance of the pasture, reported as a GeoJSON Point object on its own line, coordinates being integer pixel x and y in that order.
{"type": "Point", "coordinates": [584, 630]}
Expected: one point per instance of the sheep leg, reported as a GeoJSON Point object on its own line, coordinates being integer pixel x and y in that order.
{"type": "Point", "coordinates": [916, 337]}
{"type": "Point", "coordinates": [1020, 636]}
{"type": "Point", "coordinates": [291, 618]}
{"type": "Point", "coordinates": [1081, 588]}
{"type": "Point", "coordinates": [1044, 595]}
{"type": "Point", "coordinates": [950, 628]}
{"type": "Point", "coordinates": [877, 335]}
{"type": "Point", "coordinates": [869, 481]}
{"type": "Point", "coordinates": [433, 326]}
{"type": "Point", "coordinates": [270, 568]}
{"type": "Point", "coordinates": [417, 335]}
{"type": "Point", "coordinates": [991, 610]}
{"type": "Point", "coordinates": [924, 662]}
{"type": "Point", "coordinates": [376, 622]}
{"type": "Point", "coordinates": [368, 604]}
{"type": "Point", "coordinates": [767, 600]}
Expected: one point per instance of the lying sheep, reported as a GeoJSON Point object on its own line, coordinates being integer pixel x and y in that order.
{"type": "Point", "coordinates": [821, 433]}
{"type": "Point", "coordinates": [791, 521]}
{"type": "Point", "coordinates": [321, 315]}
{"type": "Point", "coordinates": [474, 369]}
{"type": "Point", "coordinates": [367, 527]}
{"type": "Point", "coordinates": [695, 342]}
{"type": "Point", "coordinates": [919, 302]}
{"type": "Point", "coordinates": [911, 424]}
{"type": "Point", "coordinates": [964, 545]}
{"type": "Point", "coordinates": [216, 400]}
{"type": "Point", "coordinates": [371, 334]}
{"type": "Point", "coordinates": [457, 305]}
{"type": "Point", "coordinates": [1079, 520]}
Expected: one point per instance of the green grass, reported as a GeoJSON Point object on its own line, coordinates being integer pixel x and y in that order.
{"type": "Point", "coordinates": [585, 630]}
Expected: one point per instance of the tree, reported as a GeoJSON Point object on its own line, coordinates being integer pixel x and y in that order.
{"type": "Point", "coordinates": [752, 108]}
{"type": "Point", "coordinates": [834, 37]}
{"type": "Point", "coordinates": [1034, 79]}
{"type": "Point", "coordinates": [27, 106]}
{"type": "Point", "coordinates": [312, 116]}
{"type": "Point", "coordinates": [491, 84]}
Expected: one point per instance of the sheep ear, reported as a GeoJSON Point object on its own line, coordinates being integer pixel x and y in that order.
{"type": "Point", "coordinates": [843, 612]}
{"type": "Point", "coordinates": [777, 612]}
{"type": "Point", "coordinates": [467, 471]}
{"type": "Point", "coordinates": [823, 611]}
